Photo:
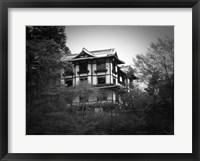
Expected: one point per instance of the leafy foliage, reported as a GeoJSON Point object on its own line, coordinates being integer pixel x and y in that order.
{"type": "Point", "coordinates": [159, 59]}
{"type": "Point", "coordinates": [66, 122]}
{"type": "Point", "coordinates": [156, 67]}
{"type": "Point", "coordinates": [45, 45]}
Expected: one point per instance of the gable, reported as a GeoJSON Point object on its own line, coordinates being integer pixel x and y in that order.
{"type": "Point", "coordinates": [84, 54]}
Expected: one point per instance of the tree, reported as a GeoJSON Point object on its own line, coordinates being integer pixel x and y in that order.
{"type": "Point", "coordinates": [156, 70]}
{"type": "Point", "coordinates": [82, 92]}
{"type": "Point", "coordinates": [135, 100]}
{"type": "Point", "coordinates": [45, 45]}
{"type": "Point", "coordinates": [156, 66]}
{"type": "Point", "coordinates": [41, 33]}
{"type": "Point", "coordinates": [85, 90]}
{"type": "Point", "coordinates": [69, 94]}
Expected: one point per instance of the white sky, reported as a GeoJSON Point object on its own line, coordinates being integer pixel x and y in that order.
{"type": "Point", "coordinates": [127, 40]}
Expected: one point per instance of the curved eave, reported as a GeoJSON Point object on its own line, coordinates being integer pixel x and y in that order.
{"type": "Point", "coordinates": [90, 58]}
{"type": "Point", "coordinates": [120, 61]}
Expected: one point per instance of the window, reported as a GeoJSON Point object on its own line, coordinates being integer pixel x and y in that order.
{"type": "Point", "coordinates": [68, 82]}
{"type": "Point", "coordinates": [101, 65]}
{"type": "Point", "coordinates": [101, 80]}
{"type": "Point", "coordinates": [113, 64]}
{"type": "Point", "coordinates": [117, 97]}
{"type": "Point", "coordinates": [83, 67]}
{"type": "Point", "coordinates": [114, 81]}
{"type": "Point", "coordinates": [68, 73]}
{"type": "Point", "coordinates": [83, 79]}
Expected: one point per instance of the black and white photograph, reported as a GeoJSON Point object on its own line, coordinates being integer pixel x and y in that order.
{"type": "Point", "coordinates": [99, 80]}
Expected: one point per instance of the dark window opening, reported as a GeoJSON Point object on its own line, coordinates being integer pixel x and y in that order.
{"type": "Point", "coordinates": [113, 67]}
{"type": "Point", "coordinates": [101, 80]}
{"type": "Point", "coordinates": [101, 65]}
{"type": "Point", "coordinates": [68, 82]}
{"type": "Point", "coordinates": [83, 79]}
{"type": "Point", "coordinates": [114, 81]}
{"type": "Point", "coordinates": [119, 78]}
{"type": "Point", "coordinates": [68, 73]}
{"type": "Point", "coordinates": [83, 67]}
{"type": "Point", "coordinates": [117, 97]}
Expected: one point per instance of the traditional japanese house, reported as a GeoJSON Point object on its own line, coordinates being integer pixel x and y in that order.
{"type": "Point", "coordinates": [102, 69]}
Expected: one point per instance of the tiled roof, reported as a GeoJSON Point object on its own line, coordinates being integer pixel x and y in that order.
{"type": "Point", "coordinates": [106, 52]}
{"type": "Point", "coordinates": [96, 53]}
{"type": "Point", "coordinates": [124, 68]}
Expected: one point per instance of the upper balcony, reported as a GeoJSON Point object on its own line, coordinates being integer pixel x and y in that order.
{"type": "Point", "coordinates": [68, 73]}
{"type": "Point", "coordinates": [83, 71]}
{"type": "Point", "coordinates": [100, 70]}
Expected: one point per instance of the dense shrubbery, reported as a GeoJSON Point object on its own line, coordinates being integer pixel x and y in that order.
{"type": "Point", "coordinates": [48, 119]}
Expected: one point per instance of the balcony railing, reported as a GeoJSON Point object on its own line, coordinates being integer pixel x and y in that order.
{"type": "Point", "coordinates": [122, 83]}
{"type": "Point", "coordinates": [100, 70]}
{"type": "Point", "coordinates": [83, 71]}
{"type": "Point", "coordinates": [69, 73]}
